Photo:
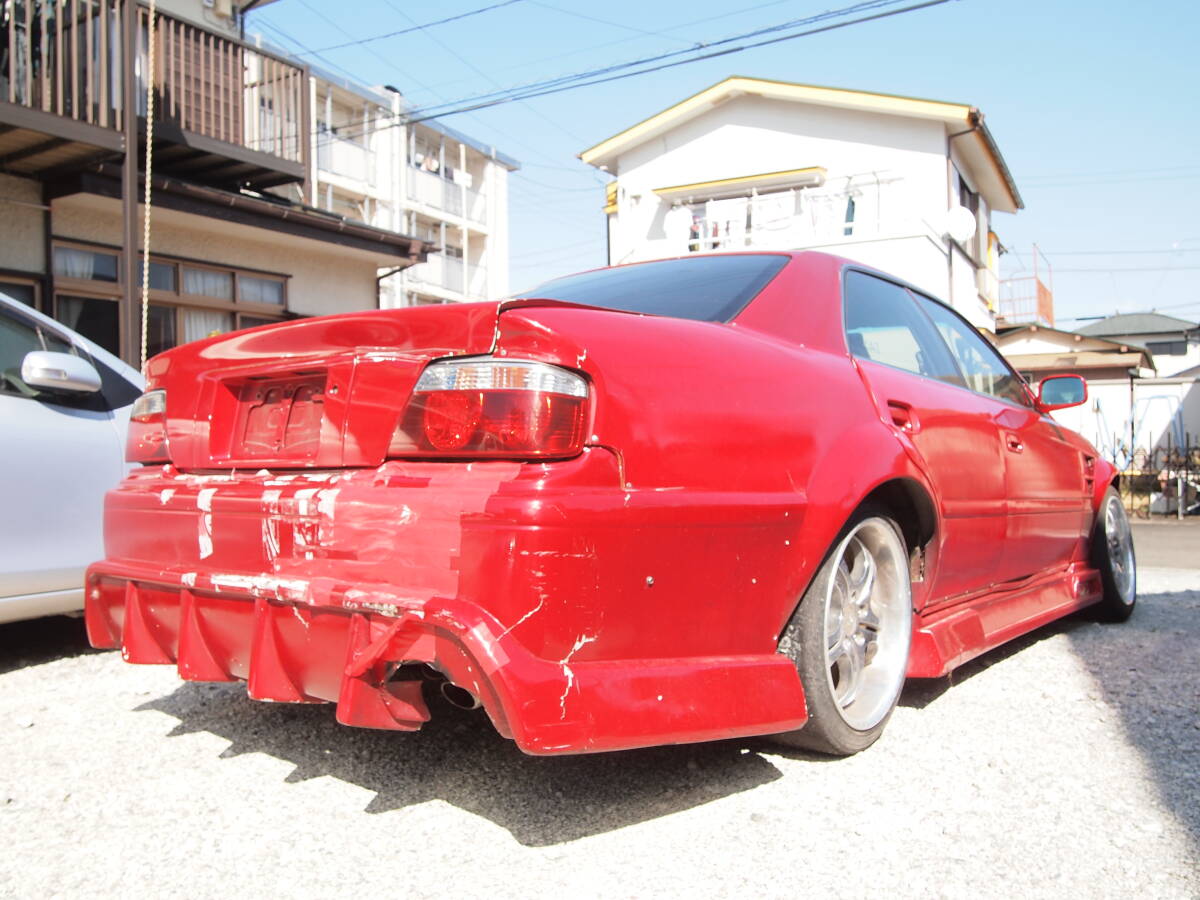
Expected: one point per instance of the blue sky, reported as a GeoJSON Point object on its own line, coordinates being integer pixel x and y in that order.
{"type": "Point", "coordinates": [1094, 106]}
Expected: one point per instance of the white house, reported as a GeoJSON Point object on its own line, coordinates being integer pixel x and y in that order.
{"type": "Point", "coordinates": [756, 164]}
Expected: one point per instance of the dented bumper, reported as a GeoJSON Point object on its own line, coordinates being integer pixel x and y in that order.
{"type": "Point", "coordinates": [564, 603]}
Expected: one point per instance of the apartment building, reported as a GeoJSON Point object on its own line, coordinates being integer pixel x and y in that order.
{"type": "Point", "coordinates": [425, 180]}
{"type": "Point", "coordinates": [903, 184]}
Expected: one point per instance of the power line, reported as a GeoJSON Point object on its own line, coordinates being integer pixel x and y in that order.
{"type": "Point", "coordinates": [392, 34]}
{"type": "Point", "coordinates": [601, 76]}
{"type": "Point", "coordinates": [1132, 269]}
{"type": "Point", "coordinates": [528, 88]}
{"type": "Point", "coordinates": [599, 21]}
{"type": "Point", "coordinates": [1118, 252]}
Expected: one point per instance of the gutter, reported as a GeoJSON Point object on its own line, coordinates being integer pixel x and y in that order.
{"type": "Point", "coordinates": [977, 124]}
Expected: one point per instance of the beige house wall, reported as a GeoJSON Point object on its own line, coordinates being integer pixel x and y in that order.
{"type": "Point", "coordinates": [22, 246]}
{"type": "Point", "coordinates": [324, 278]}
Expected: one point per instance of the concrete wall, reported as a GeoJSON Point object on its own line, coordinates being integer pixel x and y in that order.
{"type": "Point", "coordinates": [23, 246]}
{"type": "Point", "coordinates": [324, 278]}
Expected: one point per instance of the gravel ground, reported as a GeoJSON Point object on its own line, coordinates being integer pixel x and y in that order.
{"type": "Point", "coordinates": [1066, 765]}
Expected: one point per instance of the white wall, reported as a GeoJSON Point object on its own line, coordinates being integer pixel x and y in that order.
{"type": "Point", "coordinates": [751, 135]}
{"type": "Point", "coordinates": [23, 246]}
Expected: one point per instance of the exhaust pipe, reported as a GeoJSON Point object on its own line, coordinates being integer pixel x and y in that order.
{"type": "Point", "coordinates": [460, 697]}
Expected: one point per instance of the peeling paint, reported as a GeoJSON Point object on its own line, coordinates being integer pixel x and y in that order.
{"type": "Point", "coordinates": [165, 495]}
{"type": "Point", "coordinates": [204, 535]}
{"type": "Point", "coordinates": [565, 662]}
{"type": "Point", "coordinates": [541, 602]}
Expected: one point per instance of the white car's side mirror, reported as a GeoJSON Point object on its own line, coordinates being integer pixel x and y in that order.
{"type": "Point", "coordinates": [51, 371]}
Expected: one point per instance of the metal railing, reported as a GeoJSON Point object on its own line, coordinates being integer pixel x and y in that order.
{"type": "Point", "coordinates": [1162, 481]}
{"type": "Point", "coordinates": [66, 57]}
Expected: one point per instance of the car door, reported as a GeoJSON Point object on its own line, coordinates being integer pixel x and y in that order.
{"type": "Point", "coordinates": [948, 429]}
{"type": "Point", "coordinates": [1047, 501]}
{"type": "Point", "coordinates": [61, 455]}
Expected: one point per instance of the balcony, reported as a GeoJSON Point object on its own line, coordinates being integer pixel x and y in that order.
{"type": "Point", "coordinates": [449, 274]}
{"type": "Point", "coordinates": [346, 159]}
{"type": "Point", "coordinates": [226, 114]}
{"type": "Point", "coordinates": [1028, 298]}
{"type": "Point", "coordinates": [438, 193]}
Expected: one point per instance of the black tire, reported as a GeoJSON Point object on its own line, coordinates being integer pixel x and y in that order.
{"type": "Point", "coordinates": [1113, 557]}
{"type": "Point", "coordinates": [818, 633]}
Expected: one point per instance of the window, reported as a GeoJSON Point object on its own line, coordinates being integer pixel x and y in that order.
{"type": "Point", "coordinates": [984, 369]}
{"type": "Point", "coordinates": [188, 301]}
{"type": "Point", "coordinates": [704, 288]}
{"type": "Point", "coordinates": [24, 291]}
{"type": "Point", "coordinates": [884, 325]}
{"type": "Point", "coordinates": [162, 276]}
{"type": "Point", "coordinates": [970, 199]}
{"type": "Point", "coordinates": [85, 265]}
{"type": "Point", "coordinates": [253, 289]}
{"type": "Point", "coordinates": [207, 283]}
{"type": "Point", "coordinates": [1168, 348]}
{"type": "Point", "coordinates": [97, 318]}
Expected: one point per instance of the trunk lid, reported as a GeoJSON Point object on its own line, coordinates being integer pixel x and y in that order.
{"type": "Point", "coordinates": [318, 393]}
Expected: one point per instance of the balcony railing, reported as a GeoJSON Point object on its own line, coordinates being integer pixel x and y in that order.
{"type": "Point", "coordinates": [345, 158]}
{"type": "Point", "coordinates": [450, 274]}
{"type": "Point", "coordinates": [219, 88]}
{"type": "Point", "coordinates": [65, 57]}
{"type": "Point", "coordinates": [438, 193]}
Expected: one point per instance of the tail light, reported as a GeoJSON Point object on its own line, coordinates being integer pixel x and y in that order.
{"type": "Point", "coordinates": [147, 440]}
{"type": "Point", "coordinates": [494, 408]}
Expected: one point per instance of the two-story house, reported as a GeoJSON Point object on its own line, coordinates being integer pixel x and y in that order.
{"type": "Point", "coordinates": [906, 185]}
{"type": "Point", "coordinates": [1173, 343]}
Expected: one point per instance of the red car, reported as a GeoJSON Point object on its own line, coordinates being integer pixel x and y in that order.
{"type": "Point", "coordinates": [676, 501]}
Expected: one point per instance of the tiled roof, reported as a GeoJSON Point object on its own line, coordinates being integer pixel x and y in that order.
{"type": "Point", "coordinates": [1136, 323]}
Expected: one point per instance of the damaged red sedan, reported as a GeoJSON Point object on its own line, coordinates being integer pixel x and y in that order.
{"type": "Point", "coordinates": [683, 500]}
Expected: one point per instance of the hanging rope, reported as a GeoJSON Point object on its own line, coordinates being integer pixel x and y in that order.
{"type": "Point", "coordinates": [150, 69]}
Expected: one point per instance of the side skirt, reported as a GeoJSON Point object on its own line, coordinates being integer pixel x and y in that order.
{"type": "Point", "coordinates": [947, 639]}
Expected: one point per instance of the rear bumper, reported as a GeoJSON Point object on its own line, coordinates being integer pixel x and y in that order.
{"type": "Point", "coordinates": [216, 628]}
{"type": "Point", "coordinates": [573, 609]}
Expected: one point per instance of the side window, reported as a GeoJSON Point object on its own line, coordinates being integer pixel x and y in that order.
{"type": "Point", "coordinates": [16, 339]}
{"type": "Point", "coordinates": [982, 366]}
{"type": "Point", "coordinates": [884, 325]}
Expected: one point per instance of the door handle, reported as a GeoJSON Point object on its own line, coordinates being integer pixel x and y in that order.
{"type": "Point", "coordinates": [1013, 443]}
{"type": "Point", "coordinates": [903, 416]}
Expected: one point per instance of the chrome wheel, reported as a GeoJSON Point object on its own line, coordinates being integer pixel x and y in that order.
{"type": "Point", "coordinates": [868, 623]}
{"type": "Point", "coordinates": [1119, 540]}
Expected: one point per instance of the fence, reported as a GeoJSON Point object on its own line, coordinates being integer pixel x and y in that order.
{"type": "Point", "coordinates": [1162, 481]}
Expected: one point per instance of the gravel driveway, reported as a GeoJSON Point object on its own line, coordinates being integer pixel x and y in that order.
{"type": "Point", "coordinates": [1066, 765]}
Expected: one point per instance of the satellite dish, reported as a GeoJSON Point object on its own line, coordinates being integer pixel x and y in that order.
{"type": "Point", "coordinates": [960, 223]}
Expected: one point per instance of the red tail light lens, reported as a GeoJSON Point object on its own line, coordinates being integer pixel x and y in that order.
{"type": "Point", "coordinates": [494, 408]}
{"type": "Point", "coordinates": [147, 440]}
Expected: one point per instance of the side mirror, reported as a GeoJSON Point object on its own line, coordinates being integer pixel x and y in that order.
{"type": "Point", "coordinates": [1061, 391]}
{"type": "Point", "coordinates": [50, 371]}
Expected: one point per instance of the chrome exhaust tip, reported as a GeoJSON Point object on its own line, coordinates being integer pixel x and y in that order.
{"type": "Point", "coordinates": [460, 697]}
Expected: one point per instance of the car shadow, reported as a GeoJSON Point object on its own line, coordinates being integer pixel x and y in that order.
{"type": "Point", "coordinates": [459, 758]}
{"type": "Point", "coordinates": [1148, 673]}
{"type": "Point", "coordinates": [39, 641]}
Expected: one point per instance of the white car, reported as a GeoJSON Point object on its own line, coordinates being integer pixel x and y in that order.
{"type": "Point", "coordinates": [64, 409]}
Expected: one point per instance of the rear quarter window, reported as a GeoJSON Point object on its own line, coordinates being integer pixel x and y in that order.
{"type": "Point", "coordinates": [703, 288]}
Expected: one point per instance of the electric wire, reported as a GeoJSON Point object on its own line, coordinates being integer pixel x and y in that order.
{"type": "Point", "coordinates": [391, 34]}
